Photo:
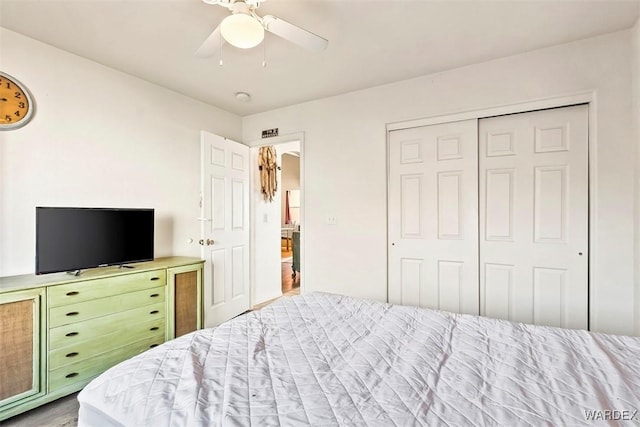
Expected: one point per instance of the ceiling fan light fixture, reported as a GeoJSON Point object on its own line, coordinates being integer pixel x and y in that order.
{"type": "Point", "coordinates": [242, 30]}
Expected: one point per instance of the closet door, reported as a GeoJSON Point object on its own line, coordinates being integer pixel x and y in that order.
{"type": "Point", "coordinates": [534, 217]}
{"type": "Point", "coordinates": [433, 217]}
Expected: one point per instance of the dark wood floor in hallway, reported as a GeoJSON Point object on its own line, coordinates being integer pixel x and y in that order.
{"type": "Point", "coordinates": [288, 282]}
{"type": "Point", "coordinates": [290, 285]}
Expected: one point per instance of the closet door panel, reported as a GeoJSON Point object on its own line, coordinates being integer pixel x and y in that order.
{"type": "Point", "coordinates": [433, 217]}
{"type": "Point", "coordinates": [497, 294]}
{"type": "Point", "coordinates": [534, 216]}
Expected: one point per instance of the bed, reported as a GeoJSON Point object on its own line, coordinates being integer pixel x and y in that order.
{"type": "Point", "coordinates": [323, 359]}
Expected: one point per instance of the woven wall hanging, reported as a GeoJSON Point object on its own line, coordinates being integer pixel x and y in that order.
{"type": "Point", "coordinates": [268, 165]}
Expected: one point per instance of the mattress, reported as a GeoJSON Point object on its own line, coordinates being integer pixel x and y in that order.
{"type": "Point", "coordinates": [322, 359]}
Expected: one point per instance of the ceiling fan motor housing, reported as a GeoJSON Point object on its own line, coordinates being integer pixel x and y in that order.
{"type": "Point", "coordinates": [242, 29]}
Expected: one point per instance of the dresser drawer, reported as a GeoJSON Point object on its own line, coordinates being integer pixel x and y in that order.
{"type": "Point", "coordinates": [76, 292]}
{"type": "Point", "coordinates": [79, 312]}
{"type": "Point", "coordinates": [78, 352]}
{"type": "Point", "coordinates": [85, 370]}
{"type": "Point", "coordinates": [74, 333]}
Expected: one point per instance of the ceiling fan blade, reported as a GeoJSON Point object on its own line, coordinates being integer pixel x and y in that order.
{"type": "Point", "coordinates": [293, 33]}
{"type": "Point", "coordinates": [224, 3]}
{"type": "Point", "coordinates": [211, 45]}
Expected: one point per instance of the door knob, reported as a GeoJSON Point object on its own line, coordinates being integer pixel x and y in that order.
{"type": "Point", "coordinates": [209, 242]}
{"type": "Point", "coordinates": [201, 242]}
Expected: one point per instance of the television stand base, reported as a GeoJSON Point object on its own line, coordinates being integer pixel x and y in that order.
{"type": "Point", "coordinates": [74, 272]}
{"type": "Point", "coordinates": [126, 266]}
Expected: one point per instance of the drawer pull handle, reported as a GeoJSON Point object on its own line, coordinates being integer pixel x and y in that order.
{"type": "Point", "coordinates": [72, 293]}
{"type": "Point", "coordinates": [155, 328]}
{"type": "Point", "coordinates": [155, 295]}
{"type": "Point", "coordinates": [73, 313]}
{"type": "Point", "coordinates": [153, 345]}
{"type": "Point", "coordinates": [71, 375]}
{"type": "Point", "coordinates": [74, 354]}
{"type": "Point", "coordinates": [154, 312]}
{"type": "Point", "coordinates": [155, 278]}
{"type": "Point", "coordinates": [71, 334]}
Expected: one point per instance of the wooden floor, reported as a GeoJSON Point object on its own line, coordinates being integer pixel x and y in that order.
{"type": "Point", "coordinates": [59, 413]}
{"type": "Point", "coordinates": [288, 283]}
{"type": "Point", "coordinates": [64, 411]}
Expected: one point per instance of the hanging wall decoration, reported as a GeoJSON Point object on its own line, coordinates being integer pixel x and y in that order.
{"type": "Point", "coordinates": [268, 165]}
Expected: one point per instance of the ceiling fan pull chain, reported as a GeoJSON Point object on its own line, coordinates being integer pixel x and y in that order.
{"type": "Point", "coordinates": [264, 53]}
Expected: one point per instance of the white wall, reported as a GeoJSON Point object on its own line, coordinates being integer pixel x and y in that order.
{"type": "Point", "coordinates": [636, 120]}
{"type": "Point", "coordinates": [345, 170]}
{"type": "Point", "coordinates": [99, 138]}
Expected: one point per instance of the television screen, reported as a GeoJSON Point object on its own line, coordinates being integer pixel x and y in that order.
{"type": "Point", "coordinates": [69, 239]}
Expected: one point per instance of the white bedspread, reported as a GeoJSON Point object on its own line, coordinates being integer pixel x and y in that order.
{"type": "Point", "coordinates": [324, 359]}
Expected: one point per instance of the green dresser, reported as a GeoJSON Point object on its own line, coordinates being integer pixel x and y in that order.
{"type": "Point", "coordinates": [63, 331]}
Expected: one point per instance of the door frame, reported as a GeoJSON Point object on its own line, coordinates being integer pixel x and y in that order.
{"type": "Point", "coordinates": [254, 221]}
{"type": "Point", "coordinates": [567, 100]}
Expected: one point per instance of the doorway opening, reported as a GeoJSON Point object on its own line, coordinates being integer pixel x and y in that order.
{"type": "Point", "coordinates": [274, 236]}
{"type": "Point", "coordinates": [290, 222]}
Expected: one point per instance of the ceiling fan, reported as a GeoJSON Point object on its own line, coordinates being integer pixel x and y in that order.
{"type": "Point", "coordinates": [245, 29]}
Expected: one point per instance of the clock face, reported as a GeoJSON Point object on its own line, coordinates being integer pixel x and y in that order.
{"type": "Point", "coordinates": [16, 105]}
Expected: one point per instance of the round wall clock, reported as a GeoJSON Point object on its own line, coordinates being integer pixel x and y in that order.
{"type": "Point", "coordinates": [16, 104]}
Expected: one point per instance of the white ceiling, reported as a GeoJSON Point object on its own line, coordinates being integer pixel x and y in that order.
{"type": "Point", "coordinates": [371, 42]}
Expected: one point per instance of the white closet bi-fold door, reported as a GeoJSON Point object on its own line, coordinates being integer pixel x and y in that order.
{"type": "Point", "coordinates": [534, 217]}
{"type": "Point", "coordinates": [433, 217]}
{"type": "Point", "coordinates": [491, 217]}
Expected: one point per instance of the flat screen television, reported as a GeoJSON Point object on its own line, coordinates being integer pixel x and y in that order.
{"type": "Point", "coordinates": [73, 239]}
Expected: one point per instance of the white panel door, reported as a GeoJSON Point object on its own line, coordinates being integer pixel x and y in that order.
{"type": "Point", "coordinates": [225, 228]}
{"type": "Point", "coordinates": [433, 217]}
{"type": "Point", "coordinates": [534, 217]}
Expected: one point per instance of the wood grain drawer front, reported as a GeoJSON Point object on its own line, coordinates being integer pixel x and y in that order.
{"type": "Point", "coordinates": [78, 352]}
{"type": "Point", "coordinates": [76, 292]}
{"type": "Point", "coordinates": [76, 333]}
{"type": "Point", "coordinates": [79, 312]}
{"type": "Point", "coordinates": [85, 370]}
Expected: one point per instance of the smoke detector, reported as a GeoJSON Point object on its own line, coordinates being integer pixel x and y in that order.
{"type": "Point", "coordinates": [243, 96]}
